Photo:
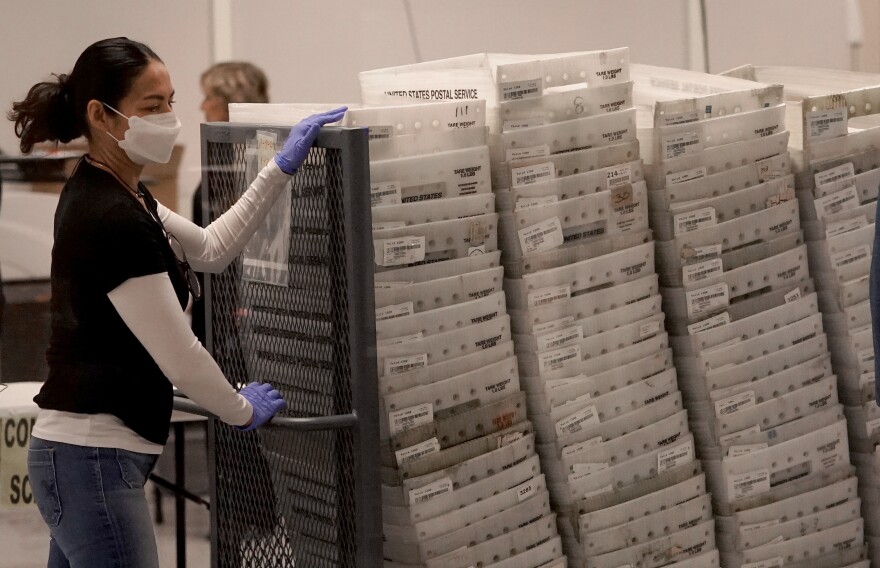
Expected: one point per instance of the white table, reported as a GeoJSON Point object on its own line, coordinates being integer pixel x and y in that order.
{"type": "Point", "coordinates": [18, 412]}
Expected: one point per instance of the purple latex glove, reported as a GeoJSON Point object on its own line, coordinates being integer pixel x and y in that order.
{"type": "Point", "coordinates": [301, 138]}
{"type": "Point", "coordinates": [265, 400]}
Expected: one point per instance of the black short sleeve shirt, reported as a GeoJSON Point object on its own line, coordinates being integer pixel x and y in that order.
{"type": "Point", "coordinates": [103, 237]}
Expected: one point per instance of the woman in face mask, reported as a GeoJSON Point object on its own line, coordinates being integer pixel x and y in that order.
{"type": "Point", "coordinates": [120, 279]}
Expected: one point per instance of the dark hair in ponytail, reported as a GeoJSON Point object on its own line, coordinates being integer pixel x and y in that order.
{"type": "Point", "coordinates": [56, 110]}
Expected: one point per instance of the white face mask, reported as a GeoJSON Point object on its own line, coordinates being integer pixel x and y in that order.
{"type": "Point", "coordinates": [149, 139]}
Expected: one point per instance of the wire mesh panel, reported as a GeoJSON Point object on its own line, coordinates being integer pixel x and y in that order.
{"type": "Point", "coordinates": [309, 495]}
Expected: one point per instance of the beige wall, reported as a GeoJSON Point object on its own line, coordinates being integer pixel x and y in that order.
{"type": "Point", "coordinates": [313, 50]}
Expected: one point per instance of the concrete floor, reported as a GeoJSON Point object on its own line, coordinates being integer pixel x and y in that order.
{"type": "Point", "coordinates": [24, 538]}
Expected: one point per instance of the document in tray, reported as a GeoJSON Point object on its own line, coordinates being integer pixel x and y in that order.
{"type": "Point", "coordinates": [661, 551]}
{"type": "Point", "coordinates": [761, 471]}
{"type": "Point", "coordinates": [718, 131]}
{"type": "Point", "coordinates": [558, 106]}
{"type": "Point", "coordinates": [560, 284]}
{"type": "Point", "coordinates": [572, 329]}
{"type": "Point", "coordinates": [576, 134]}
{"type": "Point", "coordinates": [423, 375]}
{"type": "Point", "coordinates": [721, 158]}
{"type": "Point", "coordinates": [557, 315]}
{"type": "Point", "coordinates": [529, 171]}
{"type": "Point", "coordinates": [433, 176]}
{"type": "Point", "coordinates": [547, 227]}
{"type": "Point", "coordinates": [405, 357]}
{"type": "Point", "coordinates": [431, 322]}
{"type": "Point", "coordinates": [493, 383]}
{"type": "Point", "coordinates": [606, 67]}
{"type": "Point", "coordinates": [398, 277]}
{"type": "Point", "coordinates": [390, 121]}
{"type": "Point", "coordinates": [726, 207]}
{"type": "Point", "coordinates": [698, 184]}
{"type": "Point", "coordinates": [433, 532]}
{"type": "Point", "coordinates": [390, 216]}
{"type": "Point", "coordinates": [730, 102]}
{"type": "Point", "coordinates": [383, 147]}
{"type": "Point", "coordinates": [435, 242]}
{"type": "Point", "coordinates": [577, 185]}
{"type": "Point", "coordinates": [433, 294]}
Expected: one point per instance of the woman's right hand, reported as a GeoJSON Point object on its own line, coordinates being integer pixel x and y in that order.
{"type": "Point", "coordinates": [301, 138]}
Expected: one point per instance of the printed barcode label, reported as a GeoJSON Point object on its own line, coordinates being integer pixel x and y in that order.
{"type": "Point", "coordinates": [689, 175]}
{"type": "Point", "coordinates": [526, 490]}
{"type": "Point", "coordinates": [558, 358]}
{"type": "Point", "coordinates": [872, 426]}
{"type": "Point", "coordinates": [413, 453]}
{"type": "Point", "coordinates": [674, 457]}
{"type": "Point", "coordinates": [843, 171]}
{"type": "Point", "coordinates": [710, 323]}
{"type": "Point", "coordinates": [384, 193]}
{"type": "Point", "coordinates": [746, 529]}
{"type": "Point", "coordinates": [529, 202]}
{"type": "Point", "coordinates": [403, 250]}
{"type": "Point", "coordinates": [395, 311]}
{"type": "Point", "coordinates": [843, 200]}
{"type": "Point", "coordinates": [835, 228]}
{"type": "Point", "coordinates": [526, 89]}
{"type": "Point", "coordinates": [708, 299]}
{"type": "Point", "coordinates": [776, 562]}
{"type": "Point", "coordinates": [380, 132]}
{"type": "Point", "coordinates": [736, 436]}
{"type": "Point", "coordinates": [548, 295]}
{"type": "Point", "coordinates": [526, 175]}
{"type": "Point", "coordinates": [405, 364]}
{"type": "Point", "coordinates": [694, 273]}
{"type": "Point", "coordinates": [388, 225]}
{"type": "Point", "coordinates": [400, 340]}
{"type": "Point", "coordinates": [847, 257]}
{"type": "Point", "coordinates": [508, 125]}
{"type": "Point", "coordinates": [618, 175]}
{"type": "Point", "coordinates": [577, 421]}
{"type": "Point", "coordinates": [543, 236]}
{"type": "Point", "coordinates": [694, 220]}
{"type": "Point", "coordinates": [408, 418]}
{"type": "Point", "coordinates": [728, 406]}
{"type": "Point", "coordinates": [649, 329]}
{"type": "Point", "coordinates": [555, 325]}
{"type": "Point", "coordinates": [514, 154]}
{"type": "Point", "coordinates": [442, 486]}
{"type": "Point", "coordinates": [744, 450]}
{"type": "Point", "coordinates": [866, 379]}
{"type": "Point", "coordinates": [390, 285]}
{"type": "Point", "coordinates": [749, 483]}
{"type": "Point", "coordinates": [680, 118]}
{"type": "Point", "coordinates": [822, 124]}
{"type": "Point", "coordinates": [793, 296]}
{"type": "Point", "coordinates": [582, 470]}
{"type": "Point", "coordinates": [559, 338]}
{"type": "Point", "coordinates": [691, 255]}
{"type": "Point", "coordinates": [684, 144]}
{"type": "Point", "coordinates": [573, 449]}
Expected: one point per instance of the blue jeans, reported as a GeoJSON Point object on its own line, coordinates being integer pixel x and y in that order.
{"type": "Point", "coordinates": [94, 503]}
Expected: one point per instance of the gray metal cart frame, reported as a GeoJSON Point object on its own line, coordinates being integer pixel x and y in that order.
{"type": "Point", "coordinates": [305, 490]}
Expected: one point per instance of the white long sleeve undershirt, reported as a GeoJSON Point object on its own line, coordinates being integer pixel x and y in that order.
{"type": "Point", "coordinates": [149, 307]}
{"type": "Point", "coordinates": [211, 249]}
